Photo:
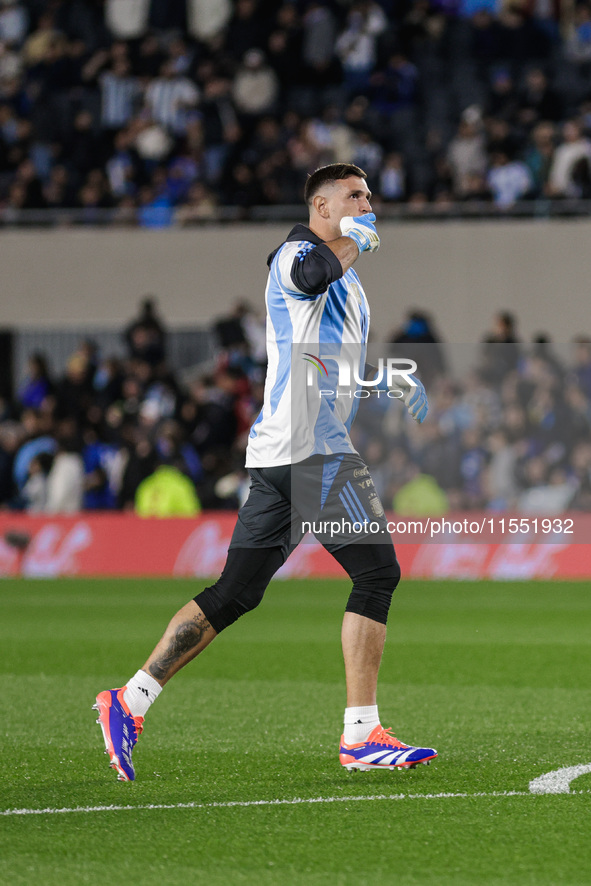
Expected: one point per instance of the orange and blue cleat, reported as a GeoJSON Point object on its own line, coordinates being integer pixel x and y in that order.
{"type": "Point", "coordinates": [382, 750]}
{"type": "Point", "coordinates": [120, 731]}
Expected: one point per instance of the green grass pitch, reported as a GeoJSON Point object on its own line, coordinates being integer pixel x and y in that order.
{"type": "Point", "coordinates": [494, 675]}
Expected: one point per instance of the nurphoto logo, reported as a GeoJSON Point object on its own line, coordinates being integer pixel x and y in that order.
{"type": "Point", "coordinates": [390, 372]}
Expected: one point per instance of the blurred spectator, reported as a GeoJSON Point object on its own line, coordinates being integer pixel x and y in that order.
{"type": "Point", "coordinates": [256, 87]}
{"type": "Point", "coordinates": [420, 497]}
{"type": "Point", "coordinates": [83, 151]}
{"type": "Point", "coordinates": [472, 467]}
{"type": "Point", "coordinates": [539, 158]}
{"type": "Point", "coordinates": [39, 41]}
{"type": "Point", "coordinates": [418, 340]}
{"type": "Point", "coordinates": [368, 154]}
{"type": "Point", "coordinates": [440, 457]}
{"type": "Point", "coordinates": [207, 18]}
{"type": "Point", "coordinates": [500, 349]}
{"type": "Point", "coordinates": [74, 392]}
{"type": "Point", "coordinates": [542, 350]}
{"type": "Point", "coordinates": [151, 141]}
{"type": "Point", "coordinates": [468, 8]}
{"type": "Point", "coordinates": [170, 99]}
{"type": "Point", "coordinates": [119, 92]}
{"type": "Point", "coordinates": [201, 205]}
{"type": "Point", "coordinates": [578, 45]}
{"type": "Point", "coordinates": [150, 57]}
{"type": "Point", "coordinates": [475, 189]}
{"type": "Point", "coordinates": [32, 189]}
{"type": "Point", "coordinates": [102, 470]}
{"type": "Point", "coordinates": [581, 475]}
{"type": "Point", "coordinates": [65, 480]}
{"type": "Point", "coordinates": [499, 478]}
{"type": "Point", "coordinates": [284, 48]}
{"type": "Point", "coordinates": [246, 29]}
{"type": "Point", "coordinates": [166, 493]}
{"type": "Point", "coordinates": [500, 138]}
{"type": "Point", "coordinates": [508, 180]}
{"type": "Point", "coordinates": [548, 491]}
{"type": "Point", "coordinates": [503, 101]}
{"type": "Point", "coordinates": [397, 85]}
{"type": "Point", "coordinates": [319, 30]}
{"type": "Point", "coordinates": [141, 461]}
{"type": "Point", "coordinates": [121, 168]}
{"type": "Point", "coordinates": [357, 45]}
{"type": "Point", "coordinates": [241, 329]}
{"type": "Point", "coordinates": [127, 19]}
{"type": "Point", "coordinates": [14, 21]}
{"type": "Point", "coordinates": [538, 101]}
{"type": "Point", "coordinates": [393, 179]}
{"type": "Point", "coordinates": [155, 208]}
{"type": "Point", "coordinates": [35, 438]}
{"type": "Point", "coordinates": [34, 492]}
{"type": "Point", "coordinates": [11, 435]}
{"type": "Point", "coordinates": [37, 384]}
{"type": "Point", "coordinates": [573, 151]}
{"type": "Point", "coordinates": [167, 15]}
{"type": "Point", "coordinates": [582, 364]}
{"type": "Point", "coordinates": [466, 154]}
{"type": "Point", "coordinates": [146, 336]}
{"type": "Point", "coordinates": [215, 425]}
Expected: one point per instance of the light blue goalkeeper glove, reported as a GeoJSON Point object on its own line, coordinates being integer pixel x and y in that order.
{"type": "Point", "coordinates": [414, 398]}
{"type": "Point", "coordinates": [362, 231]}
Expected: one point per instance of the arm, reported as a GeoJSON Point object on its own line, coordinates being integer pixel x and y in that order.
{"type": "Point", "coordinates": [314, 268]}
{"type": "Point", "coordinates": [346, 250]}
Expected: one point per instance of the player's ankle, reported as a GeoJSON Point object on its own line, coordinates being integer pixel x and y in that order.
{"type": "Point", "coordinates": [360, 722]}
{"type": "Point", "coordinates": [141, 691]}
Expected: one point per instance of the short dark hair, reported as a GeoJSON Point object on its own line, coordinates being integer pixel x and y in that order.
{"type": "Point", "coordinates": [334, 172]}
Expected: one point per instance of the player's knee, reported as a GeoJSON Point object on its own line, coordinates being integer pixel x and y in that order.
{"type": "Point", "coordinates": [241, 586]}
{"type": "Point", "coordinates": [372, 591]}
{"type": "Point", "coordinates": [221, 611]}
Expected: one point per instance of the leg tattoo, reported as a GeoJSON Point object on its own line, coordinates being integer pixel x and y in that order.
{"type": "Point", "coordinates": [186, 637]}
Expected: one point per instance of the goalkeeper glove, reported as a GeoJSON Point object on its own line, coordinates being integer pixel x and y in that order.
{"type": "Point", "coordinates": [362, 231]}
{"type": "Point", "coordinates": [414, 398]}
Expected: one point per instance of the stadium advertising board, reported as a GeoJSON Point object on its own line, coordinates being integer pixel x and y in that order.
{"type": "Point", "coordinates": [126, 545]}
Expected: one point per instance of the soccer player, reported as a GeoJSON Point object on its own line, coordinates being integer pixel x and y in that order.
{"type": "Point", "coordinates": [303, 467]}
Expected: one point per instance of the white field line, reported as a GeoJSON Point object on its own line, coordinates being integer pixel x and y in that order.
{"type": "Point", "coordinates": [558, 781]}
{"type": "Point", "coordinates": [296, 801]}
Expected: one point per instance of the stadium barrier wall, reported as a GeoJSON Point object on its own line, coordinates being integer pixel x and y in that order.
{"type": "Point", "coordinates": [91, 544]}
{"type": "Point", "coordinates": [462, 272]}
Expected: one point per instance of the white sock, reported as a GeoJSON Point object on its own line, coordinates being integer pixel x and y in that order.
{"type": "Point", "coordinates": [141, 691]}
{"type": "Point", "coordinates": [359, 722]}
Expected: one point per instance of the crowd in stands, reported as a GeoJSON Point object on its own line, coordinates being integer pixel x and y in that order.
{"type": "Point", "coordinates": [124, 433]}
{"type": "Point", "coordinates": [512, 434]}
{"type": "Point", "coordinates": [165, 110]}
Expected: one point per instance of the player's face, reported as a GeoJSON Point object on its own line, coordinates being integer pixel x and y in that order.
{"type": "Point", "coordinates": [349, 197]}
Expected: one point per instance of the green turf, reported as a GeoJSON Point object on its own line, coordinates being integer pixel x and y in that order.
{"type": "Point", "coordinates": [496, 676]}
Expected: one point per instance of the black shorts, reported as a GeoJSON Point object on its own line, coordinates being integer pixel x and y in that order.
{"type": "Point", "coordinates": [333, 497]}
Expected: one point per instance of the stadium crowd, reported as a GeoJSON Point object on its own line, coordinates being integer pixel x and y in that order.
{"type": "Point", "coordinates": [513, 433]}
{"type": "Point", "coordinates": [165, 110]}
